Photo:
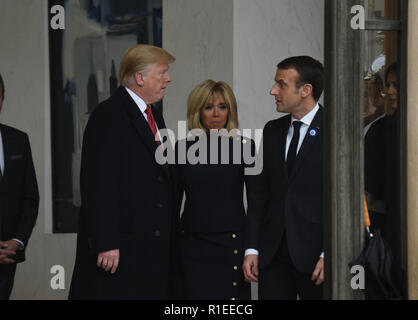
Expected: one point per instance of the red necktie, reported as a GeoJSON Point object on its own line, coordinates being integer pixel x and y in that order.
{"type": "Point", "coordinates": [151, 122]}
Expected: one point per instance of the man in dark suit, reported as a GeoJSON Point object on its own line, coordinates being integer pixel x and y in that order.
{"type": "Point", "coordinates": [127, 225]}
{"type": "Point", "coordinates": [284, 222]}
{"type": "Point", "coordinates": [19, 200]}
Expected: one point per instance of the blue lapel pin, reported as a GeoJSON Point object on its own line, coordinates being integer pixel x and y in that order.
{"type": "Point", "coordinates": [313, 132]}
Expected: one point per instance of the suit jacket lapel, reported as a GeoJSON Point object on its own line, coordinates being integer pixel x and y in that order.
{"type": "Point", "coordinates": [140, 124]}
{"type": "Point", "coordinates": [309, 140]}
{"type": "Point", "coordinates": [282, 146]}
{"type": "Point", "coordinates": [7, 153]}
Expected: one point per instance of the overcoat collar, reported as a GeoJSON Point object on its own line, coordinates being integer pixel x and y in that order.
{"type": "Point", "coordinates": [140, 124]}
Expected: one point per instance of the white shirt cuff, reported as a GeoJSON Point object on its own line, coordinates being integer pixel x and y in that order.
{"type": "Point", "coordinates": [250, 251]}
{"type": "Point", "coordinates": [254, 251]}
{"type": "Point", "coordinates": [21, 243]}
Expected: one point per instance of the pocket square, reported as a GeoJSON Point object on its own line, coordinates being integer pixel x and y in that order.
{"type": "Point", "coordinates": [16, 156]}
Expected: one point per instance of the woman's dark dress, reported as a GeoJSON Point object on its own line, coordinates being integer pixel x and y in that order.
{"type": "Point", "coordinates": [212, 222]}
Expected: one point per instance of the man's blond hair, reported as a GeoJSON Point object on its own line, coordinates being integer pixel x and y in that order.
{"type": "Point", "coordinates": [140, 58]}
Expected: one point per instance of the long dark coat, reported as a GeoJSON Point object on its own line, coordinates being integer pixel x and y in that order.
{"type": "Point", "coordinates": [127, 204]}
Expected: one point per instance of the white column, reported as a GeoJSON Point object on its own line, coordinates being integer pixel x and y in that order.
{"type": "Point", "coordinates": [412, 167]}
{"type": "Point", "coordinates": [199, 34]}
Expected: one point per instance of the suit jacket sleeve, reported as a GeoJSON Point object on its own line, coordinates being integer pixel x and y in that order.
{"type": "Point", "coordinates": [258, 196]}
{"type": "Point", "coordinates": [100, 181]}
{"type": "Point", "coordinates": [30, 199]}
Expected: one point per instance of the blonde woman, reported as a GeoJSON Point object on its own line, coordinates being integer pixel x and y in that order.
{"type": "Point", "coordinates": [212, 221]}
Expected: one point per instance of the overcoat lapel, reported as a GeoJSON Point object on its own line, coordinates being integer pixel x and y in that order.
{"type": "Point", "coordinates": [140, 124]}
{"type": "Point", "coordinates": [161, 125]}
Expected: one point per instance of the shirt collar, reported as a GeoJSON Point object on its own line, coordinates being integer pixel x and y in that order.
{"type": "Point", "coordinates": [139, 102]}
{"type": "Point", "coordinates": [307, 119]}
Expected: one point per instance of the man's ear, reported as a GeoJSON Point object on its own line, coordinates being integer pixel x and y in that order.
{"type": "Point", "coordinates": [306, 90]}
{"type": "Point", "coordinates": [139, 78]}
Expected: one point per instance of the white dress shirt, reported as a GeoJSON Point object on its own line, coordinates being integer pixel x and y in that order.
{"type": "Point", "coordinates": [2, 172]}
{"type": "Point", "coordinates": [306, 123]}
{"type": "Point", "coordinates": [142, 106]}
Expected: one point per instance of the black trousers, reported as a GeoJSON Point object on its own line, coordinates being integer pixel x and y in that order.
{"type": "Point", "coordinates": [282, 281]}
{"type": "Point", "coordinates": [7, 276]}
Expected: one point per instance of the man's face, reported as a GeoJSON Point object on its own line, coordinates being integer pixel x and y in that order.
{"type": "Point", "coordinates": [154, 83]}
{"type": "Point", "coordinates": [288, 98]}
{"type": "Point", "coordinates": [392, 90]}
{"type": "Point", "coordinates": [1, 97]}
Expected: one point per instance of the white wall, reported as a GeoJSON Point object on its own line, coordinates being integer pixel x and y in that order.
{"type": "Point", "coordinates": [199, 33]}
{"type": "Point", "coordinates": [266, 32]}
{"type": "Point", "coordinates": [240, 42]}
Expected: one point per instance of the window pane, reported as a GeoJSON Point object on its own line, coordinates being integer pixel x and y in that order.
{"type": "Point", "coordinates": [84, 60]}
{"type": "Point", "coordinates": [382, 9]}
{"type": "Point", "coordinates": [382, 141]}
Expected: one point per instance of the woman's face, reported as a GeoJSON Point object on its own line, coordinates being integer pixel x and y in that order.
{"type": "Point", "coordinates": [392, 90]}
{"type": "Point", "coordinates": [215, 114]}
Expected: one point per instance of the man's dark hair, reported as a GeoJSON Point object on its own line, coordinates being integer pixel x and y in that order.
{"type": "Point", "coordinates": [393, 68]}
{"type": "Point", "coordinates": [2, 86]}
{"type": "Point", "coordinates": [310, 72]}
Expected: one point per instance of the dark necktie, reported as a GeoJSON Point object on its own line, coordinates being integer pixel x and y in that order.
{"type": "Point", "coordinates": [151, 122]}
{"type": "Point", "coordinates": [291, 153]}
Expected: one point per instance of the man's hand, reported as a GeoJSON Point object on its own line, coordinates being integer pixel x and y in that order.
{"type": "Point", "coordinates": [318, 273]}
{"type": "Point", "coordinates": [13, 245]}
{"type": "Point", "coordinates": [250, 267]}
{"type": "Point", "coordinates": [108, 260]}
{"type": "Point", "coordinates": [7, 249]}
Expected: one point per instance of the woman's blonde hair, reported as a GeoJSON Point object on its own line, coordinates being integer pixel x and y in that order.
{"type": "Point", "coordinates": [199, 98]}
{"type": "Point", "coordinates": [140, 58]}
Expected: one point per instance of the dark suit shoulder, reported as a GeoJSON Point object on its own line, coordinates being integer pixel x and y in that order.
{"type": "Point", "coordinates": [108, 112]}
{"type": "Point", "coordinates": [277, 123]}
{"type": "Point", "coordinates": [377, 130]}
{"type": "Point", "coordinates": [107, 107]}
{"type": "Point", "coordinates": [12, 131]}
{"type": "Point", "coordinates": [380, 123]}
